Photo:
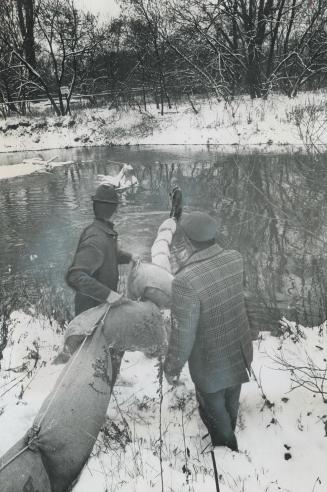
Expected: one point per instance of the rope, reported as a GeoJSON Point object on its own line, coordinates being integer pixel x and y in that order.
{"type": "Point", "coordinates": [14, 457]}
{"type": "Point", "coordinates": [100, 323]}
{"type": "Point", "coordinates": [34, 431]}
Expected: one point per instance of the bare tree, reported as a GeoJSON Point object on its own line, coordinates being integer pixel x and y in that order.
{"type": "Point", "coordinates": [305, 372]}
{"type": "Point", "coordinates": [67, 36]}
{"type": "Point", "coordinates": [150, 13]}
{"type": "Point", "coordinates": [66, 39]}
{"type": "Point", "coordinates": [167, 47]}
{"type": "Point", "coordinates": [26, 17]}
{"type": "Point", "coordinates": [256, 44]}
{"type": "Point", "coordinates": [11, 73]}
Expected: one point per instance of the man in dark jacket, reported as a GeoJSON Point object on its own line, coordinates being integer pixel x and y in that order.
{"type": "Point", "coordinates": [210, 327]}
{"type": "Point", "coordinates": [94, 271]}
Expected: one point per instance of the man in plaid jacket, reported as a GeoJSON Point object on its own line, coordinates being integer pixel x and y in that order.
{"type": "Point", "coordinates": [210, 327]}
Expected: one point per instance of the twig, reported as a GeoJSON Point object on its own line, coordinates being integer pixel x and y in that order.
{"type": "Point", "coordinates": [307, 374]}
{"type": "Point", "coordinates": [160, 392]}
{"type": "Point", "coordinates": [186, 451]}
{"type": "Point", "coordinates": [215, 470]}
{"type": "Point", "coordinates": [267, 402]}
{"type": "Point", "coordinates": [318, 481]}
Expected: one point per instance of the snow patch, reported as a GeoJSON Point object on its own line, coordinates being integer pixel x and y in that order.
{"type": "Point", "coordinates": [281, 432]}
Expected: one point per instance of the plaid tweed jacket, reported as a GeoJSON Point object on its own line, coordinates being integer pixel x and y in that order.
{"type": "Point", "coordinates": [210, 326]}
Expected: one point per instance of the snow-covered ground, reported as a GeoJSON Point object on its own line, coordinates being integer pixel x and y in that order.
{"type": "Point", "coordinates": [247, 124]}
{"type": "Point", "coordinates": [282, 435]}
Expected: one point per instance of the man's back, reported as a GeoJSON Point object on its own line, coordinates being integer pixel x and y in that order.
{"type": "Point", "coordinates": [210, 328]}
{"type": "Point", "coordinates": [222, 350]}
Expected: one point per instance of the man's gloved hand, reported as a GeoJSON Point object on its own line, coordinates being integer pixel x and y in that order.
{"type": "Point", "coordinates": [114, 299]}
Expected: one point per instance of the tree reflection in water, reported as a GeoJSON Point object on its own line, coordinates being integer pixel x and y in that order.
{"type": "Point", "coordinates": [270, 208]}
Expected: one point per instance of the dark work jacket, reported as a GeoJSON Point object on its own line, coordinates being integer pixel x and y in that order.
{"type": "Point", "coordinates": [94, 271]}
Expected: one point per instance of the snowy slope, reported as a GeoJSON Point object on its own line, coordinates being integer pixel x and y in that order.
{"type": "Point", "coordinates": [246, 124]}
{"type": "Point", "coordinates": [282, 435]}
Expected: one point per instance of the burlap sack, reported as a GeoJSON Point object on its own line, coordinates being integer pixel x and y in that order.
{"type": "Point", "coordinates": [160, 251]}
{"type": "Point", "coordinates": [136, 326]}
{"type": "Point", "coordinates": [151, 282]}
{"type": "Point", "coordinates": [25, 473]}
{"type": "Point", "coordinates": [161, 259]}
{"type": "Point", "coordinates": [70, 418]}
{"type": "Point", "coordinates": [160, 254]}
{"type": "Point", "coordinates": [130, 326]}
{"type": "Point", "coordinates": [169, 225]}
{"type": "Point", "coordinates": [72, 415]}
{"type": "Point", "coordinates": [83, 324]}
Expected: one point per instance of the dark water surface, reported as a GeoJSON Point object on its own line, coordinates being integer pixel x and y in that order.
{"type": "Point", "coordinates": [272, 208]}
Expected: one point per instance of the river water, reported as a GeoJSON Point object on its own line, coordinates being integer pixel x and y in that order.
{"type": "Point", "coordinates": [272, 208]}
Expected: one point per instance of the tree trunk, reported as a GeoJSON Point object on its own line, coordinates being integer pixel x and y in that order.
{"type": "Point", "coordinates": [61, 103]}
{"type": "Point", "coordinates": [273, 40]}
{"type": "Point", "coordinates": [143, 88]}
{"type": "Point", "coordinates": [253, 72]}
{"type": "Point", "coordinates": [25, 9]}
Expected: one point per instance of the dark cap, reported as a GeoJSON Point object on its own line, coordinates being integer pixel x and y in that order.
{"type": "Point", "coordinates": [105, 194]}
{"type": "Point", "coordinates": [199, 226]}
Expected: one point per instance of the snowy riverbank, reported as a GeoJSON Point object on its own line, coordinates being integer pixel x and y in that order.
{"type": "Point", "coordinates": [282, 436]}
{"type": "Point", "coordinates": [278, 123]}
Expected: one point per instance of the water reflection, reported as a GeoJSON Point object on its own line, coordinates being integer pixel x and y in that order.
{"type": "Point", "coordinates": [271, 208]}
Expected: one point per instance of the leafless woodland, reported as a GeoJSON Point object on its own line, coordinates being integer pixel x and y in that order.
{"type": "Point", "coordinates": [158, 51]}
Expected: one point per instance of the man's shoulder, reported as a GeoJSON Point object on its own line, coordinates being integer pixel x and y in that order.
{"type": "Point", "coordinates": [217, 254]}
{"type": "Point", "coordinates": [183, 285]}
{"type": "Point", "coordinates": [224, 255]}
{"type": "Point", "coordinates": [89, 230]}
{"type": "Point", "coordinates": [231, 254]}
{"type": "Point", "coordinates": [216, 261]}
{"type": "Point", "coordinates": [93, 234]}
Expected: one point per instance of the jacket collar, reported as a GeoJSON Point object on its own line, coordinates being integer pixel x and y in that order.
{"type": "Point", "coordinates": [105, 226]}
{"type": "Point", "coordinates": [203, 254]}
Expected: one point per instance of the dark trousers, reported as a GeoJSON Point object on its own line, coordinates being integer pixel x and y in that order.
{"type": "Point", "coordinates": [218, 412]}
